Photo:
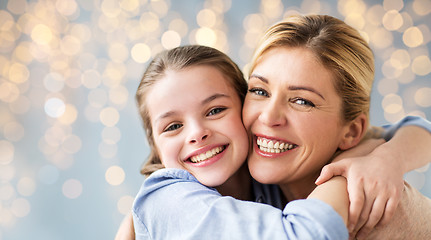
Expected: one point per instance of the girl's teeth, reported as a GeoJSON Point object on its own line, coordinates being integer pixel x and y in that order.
{"type": "Point", "coordinates": [209, 154]}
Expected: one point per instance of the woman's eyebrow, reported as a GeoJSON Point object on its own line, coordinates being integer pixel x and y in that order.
{"type": "Point", "coordinates": [292, 88]}
{"type": "Point", "coordinates": [261, 78]}
{"type": "Point", "coordinates": [304, 88]}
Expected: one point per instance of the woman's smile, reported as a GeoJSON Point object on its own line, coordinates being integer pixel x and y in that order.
{"type": "Point", "coordinates": [267, 146]}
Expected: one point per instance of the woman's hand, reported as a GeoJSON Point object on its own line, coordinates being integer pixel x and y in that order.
{"type": "Point", "coordinates": [374, 183]}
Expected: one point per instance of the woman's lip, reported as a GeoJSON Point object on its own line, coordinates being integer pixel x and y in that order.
{"type": "Point", "coordinates": [255, 136]}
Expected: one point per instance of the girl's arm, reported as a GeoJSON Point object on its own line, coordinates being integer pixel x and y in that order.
{"type": "Point", "coordinates": [172, 204]}
{"type": "Point", "coordinates": [334, 193]}
{"type": "Point", "coordinates": [375, 180]}
{"type": "Point", "coordinates": [126, 230]}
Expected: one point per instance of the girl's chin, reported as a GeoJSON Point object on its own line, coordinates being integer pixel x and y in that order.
{"type": "Point", "coordinates": [214, 181]}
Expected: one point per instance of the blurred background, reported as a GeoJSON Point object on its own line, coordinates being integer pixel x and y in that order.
{"type": "Point", "coordinates": [71, 141]}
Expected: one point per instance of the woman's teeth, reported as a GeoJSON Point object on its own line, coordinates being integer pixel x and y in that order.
{"type": "Point", "coordinates": [209, 154]}
{"type": "Point", "coordinates": [270, 146]}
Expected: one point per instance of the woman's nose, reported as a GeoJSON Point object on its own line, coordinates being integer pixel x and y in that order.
{"type": "Point", "coordinates": [273, 115]}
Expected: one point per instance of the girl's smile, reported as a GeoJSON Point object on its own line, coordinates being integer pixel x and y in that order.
{"type": "Point", "coordinates": [203, 156]}
{"type": "Point", "coordinates": [196, 120]}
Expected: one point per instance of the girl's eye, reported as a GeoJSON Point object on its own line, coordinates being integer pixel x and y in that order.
{"type": "Point", "coordinates": [173, 127]}
{"type": "Point", "coordinates": [259, 91]}
{"type": "Point", "coordinates": [215, 111]}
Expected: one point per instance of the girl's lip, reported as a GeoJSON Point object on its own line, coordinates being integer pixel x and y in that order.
{"type": "Point", "coordinates": [204, 150]}
{"type": "Point", "coordinates": [209, 161]}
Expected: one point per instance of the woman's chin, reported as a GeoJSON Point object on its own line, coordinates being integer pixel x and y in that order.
{"type": "Point", "coordinates": [264, 173]}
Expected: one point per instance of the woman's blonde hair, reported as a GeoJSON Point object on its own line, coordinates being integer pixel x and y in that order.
{"type": "Point", "coordinates": [338, 46]}
{"type": "Point", "coordinates": [177, 59]}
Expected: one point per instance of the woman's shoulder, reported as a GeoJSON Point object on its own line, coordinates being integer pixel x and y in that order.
{"type": "Point", "coordinates": [411, 219]}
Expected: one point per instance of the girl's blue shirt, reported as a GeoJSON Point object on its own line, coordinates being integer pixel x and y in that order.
{"type": "Point", "coordinates": [172, 204]}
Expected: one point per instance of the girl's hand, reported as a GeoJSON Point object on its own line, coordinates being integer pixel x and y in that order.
{"type": "Point", "coordinates": [374, 183]}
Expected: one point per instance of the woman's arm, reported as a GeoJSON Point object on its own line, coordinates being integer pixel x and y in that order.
{"type": "Point", "coordinates": [173, 205]}
{"type": "Point", "coordinates": [375, 180]}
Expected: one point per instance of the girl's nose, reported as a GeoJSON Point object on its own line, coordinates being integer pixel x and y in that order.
{"type": "Point", "coordinates": [198, 133]}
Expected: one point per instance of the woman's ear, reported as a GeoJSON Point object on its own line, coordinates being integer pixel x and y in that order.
{"type": "Point", "coordinates": [353, 133]}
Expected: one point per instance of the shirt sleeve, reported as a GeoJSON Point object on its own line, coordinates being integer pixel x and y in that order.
{"type": "Point", "coordinates": [390, 130]}
{"type": "Point", "coordinates": [172, 204]}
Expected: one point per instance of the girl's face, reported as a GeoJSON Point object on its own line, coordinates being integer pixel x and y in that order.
{"type": "Point", "coordinates": [293, 112]}
{"type": "Point", "coordinates": [197, 125]}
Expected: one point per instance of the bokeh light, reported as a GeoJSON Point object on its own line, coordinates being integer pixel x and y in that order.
{"type": "Point", "coordinates": [115, 175]}
{"type": "Point", "coordinates": [125, 204]}
{"type": "Point", "coordinates": [54, 107]}
{"type": "Point", "coordinates": [72, 188]}
{"type": "Point", "coordinates": [71, 137]}
{"type": "Point", "coordinates": [7, 149]}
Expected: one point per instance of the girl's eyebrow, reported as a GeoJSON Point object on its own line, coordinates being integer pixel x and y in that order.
{"type": "Point", "coordinates": [165, 115]}
{"type": "Point", "coordinates": [205, 101]}
{"type": "Point", "coordinates": [292, 88]}
{"type": "Point", "coordinates": [213, 97]}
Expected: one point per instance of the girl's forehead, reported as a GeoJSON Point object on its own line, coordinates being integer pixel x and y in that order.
{"type": "Point", "coordinates": [189, 85]}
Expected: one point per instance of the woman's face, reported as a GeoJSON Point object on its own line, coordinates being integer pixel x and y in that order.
{"type": "Point", "coordinates": [293, 113]}
{"type": "Point", "coordinates": [197, 125]}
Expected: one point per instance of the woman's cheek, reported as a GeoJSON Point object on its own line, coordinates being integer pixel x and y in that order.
{"type": "Point", "coordinates": [249, 114]}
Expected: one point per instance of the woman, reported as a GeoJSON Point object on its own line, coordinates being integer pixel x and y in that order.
{"type": "Point", "coordinates": [309, 87]}
{"type": "Point", "coordinates": [345, 133]}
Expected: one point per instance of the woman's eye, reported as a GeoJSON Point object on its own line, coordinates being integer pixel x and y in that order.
{"type": "Point", "coordinates": [173, 127]}
{"type": "Point", "coordinates": [215, 111]}
{"type": "Point", "coordinates": [259, 91]}
{"type": "Point", "coordinates": [303, 102]}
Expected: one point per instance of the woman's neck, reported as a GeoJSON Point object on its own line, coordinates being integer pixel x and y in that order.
{"type": "Point", "coordinates": [299, 189]}
{"type": "Point", "coordinates": [238, 185]}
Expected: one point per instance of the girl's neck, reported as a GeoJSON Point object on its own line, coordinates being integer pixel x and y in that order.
{"type": "Point", "coordinates": [299, 189]}
{"type": "Point", "coordinates": [238, 185]}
